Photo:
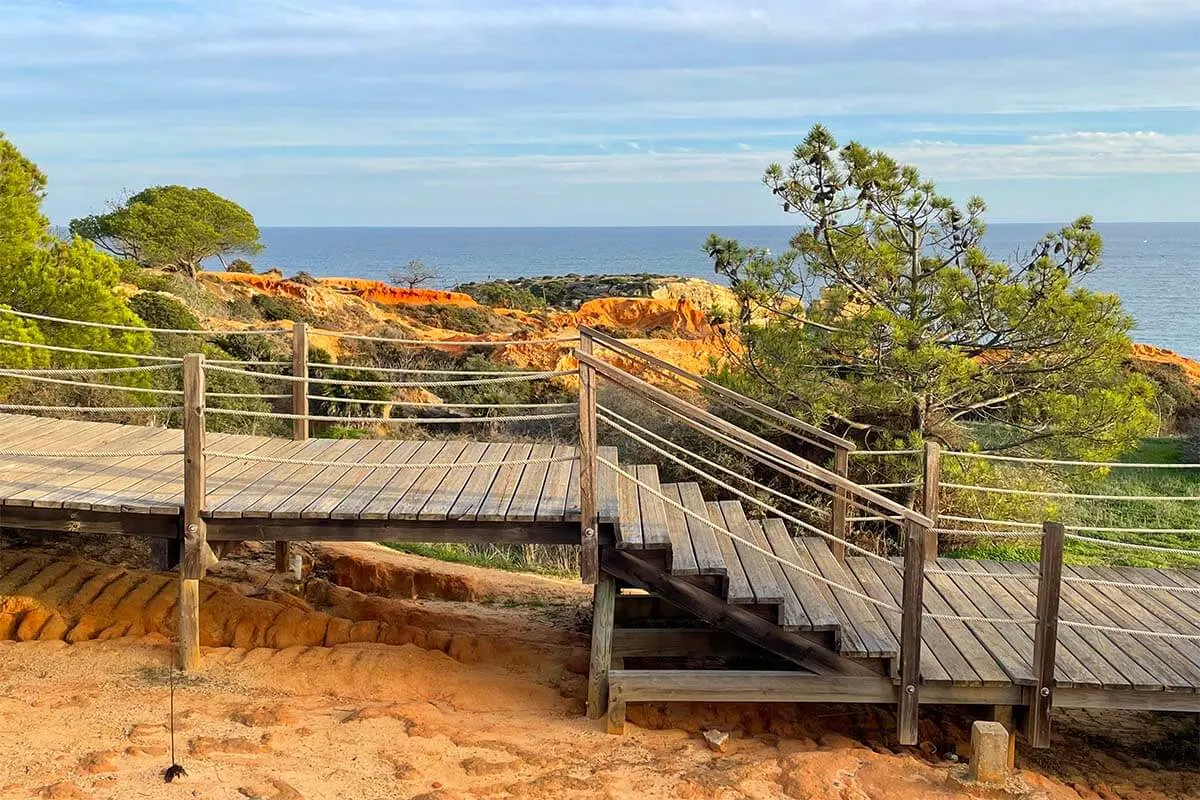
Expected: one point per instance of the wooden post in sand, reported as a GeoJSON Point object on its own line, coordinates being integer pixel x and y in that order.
{"type": "Point", "coordinates": [299, 411]}
{"type": "Point", "coordinates": [191, 566]}
{"type": "Point", "coordinates": [589, 518]}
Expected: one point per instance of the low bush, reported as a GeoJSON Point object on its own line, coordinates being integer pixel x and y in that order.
{"type": "Point", "coordinates": [160, 310]}
{"type": "Point", "coordinates": [281, 308]}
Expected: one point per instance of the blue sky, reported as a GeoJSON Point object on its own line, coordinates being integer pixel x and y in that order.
{"type": "Point", "coordinates": [600, 112]}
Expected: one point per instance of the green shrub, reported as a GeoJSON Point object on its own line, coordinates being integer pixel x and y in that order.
{"type": "Point", "coordinates": [280, 308]}
{"type": "Point", "coordinates": [240, 265]}
{"type": "Point", "coordinates": [468, 319]}
{"type": "Point", "coordinates": [503, 294]}
{"type": "Point", "coordinates": [160, 310]}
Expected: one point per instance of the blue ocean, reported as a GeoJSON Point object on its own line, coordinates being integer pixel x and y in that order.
{"type": "Point", "coordinates": [1153, 267]}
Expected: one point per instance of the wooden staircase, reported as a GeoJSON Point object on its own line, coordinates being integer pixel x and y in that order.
{"type": "Point", "coordinates": [674, 550]}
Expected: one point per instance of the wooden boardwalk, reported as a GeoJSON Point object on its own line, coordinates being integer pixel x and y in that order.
{"type": "Point", "coordinates": [685, 575]}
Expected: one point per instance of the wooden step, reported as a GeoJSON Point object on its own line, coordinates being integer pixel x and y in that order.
{"type": "Point", "coordinates": [655, 535]}
{"type": "Point", "coordinates": [757, 566]}
{"type": "Point", "coordinates": [709, 559]}
{"type": "Point", "coordinates": [811, 610]}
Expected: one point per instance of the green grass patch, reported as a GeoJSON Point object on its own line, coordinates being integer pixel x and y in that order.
{"type": "Point", "coordinates": [509, 559]}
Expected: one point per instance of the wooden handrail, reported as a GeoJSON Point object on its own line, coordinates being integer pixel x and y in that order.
{"type": "Point", "coordinates": [589, 516]}
{"type": "Point", "coordinates": [912, 611]}
{"type": "Point", "coordinates": [191, 564]}
{"type": "Point", "coordinates": [689, 411]}
{"type": "Point", "coordinates": [1045, 641]}
{"type": "Point", "coordinates": [810, 433]}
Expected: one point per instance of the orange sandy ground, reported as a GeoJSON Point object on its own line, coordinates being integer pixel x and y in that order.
{"type": "Point", "coordinates": [365, 720]}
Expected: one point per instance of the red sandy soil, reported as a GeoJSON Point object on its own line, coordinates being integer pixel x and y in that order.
{"type": "Point", "coordinates": [484, 699]}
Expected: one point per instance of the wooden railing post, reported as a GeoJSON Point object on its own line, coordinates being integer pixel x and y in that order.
{"type": "Point", "coordinates": [837, 511]}
{"type": "Point", "coordinates": [910, 632]}
{"type": "Point", "coordinates": [589, 519]}
{"type": "Point", "coordinates": [299, 410]}
{"type": "Point", "coordinates": [1045, 641]}
{"type": "Point", "coordinates": [300, 387]}
{"type": "Point", "coordinates": [191, 566]}
{"type": "Point", "coordinates": [931, 495]}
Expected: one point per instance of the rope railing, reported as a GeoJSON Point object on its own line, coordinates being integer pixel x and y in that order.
{"type": "Point", "coordinates": [1152, 587]}
{"type": "Point", "coordinates": [713, 464]}
{"type": "Point", "coordinates": [88, 409]}
{"type": "Point", "coordinates": [1188, 637]}
{"type": "Point", "coordinates": [418, 371]}
{"type": "Point", "coordinates": [516, 377]}
{"type": "Point", "coordinates": [418, 404]}
{"type": "Point", "coordinates": [1153, 548]}
{"type": "Point", "coordinates": [89, 384]}
{"type": "Point", "coordinates": [1061, 462]}
{"type": "Point", "coordinates": [1070, 495]}
{"type": "Point", "coordinates": [394, 465]}
{"type": "Point", "coordinates": [81, 351]}
{"type": "Point", "coordinates": [88, 453]}
{"type": "Point", "coordinates": [140, 329]}
{"type": "Point", "coordinates": [12, 372]}
{"type": "Point", "coordinates": [882, 453]}
{"type": "Point", "coordinates": [444, 342]}
{"type": "Point", "coordinates": [387, 420]}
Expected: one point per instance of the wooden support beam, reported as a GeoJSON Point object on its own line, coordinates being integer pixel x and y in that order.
{"type": "Point", "coordinates": [71, 520]}
{"type": "Point", "coordinates": [731, 618]}
{"type": "Point", "coordinates": [244, 529]}
{"type": "Point", "coordinates": [931, 493]}
{"type": "Point", "coordinates": [837, 510]}
{"type": "Point", "coordinates": [191, 565]}
{"type": "Point", "coordinates": [164, 553]}
{"type": "Point", "coordinates": [1045, 639]}
{"type": "Point", "coordinates": [604, 597]}
{"type": "Point", "coordinates": [910, 633]}
{"type": "Point", "coordinates": [615, 719]}
{"type": "Point", "coordinates": [589, 517]}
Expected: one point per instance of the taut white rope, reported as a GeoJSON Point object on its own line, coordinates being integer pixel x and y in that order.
{"type": "Point", "coordinates": [88, 384]}
{"type": "Point", "coordinates": [990, 534]}
{"type": "Point", "coordinates": [103, 353]}
{"type": "Point", "coordinates": [389, 420]}
{"type": "Point", "coordinates": [1189, 637]}
{"type": "Point", "coordinates": [508, 378]}
{"type": "Point", "coordinates": [135, 329]}
{"type": "Point", "coordinates": [1068, 495]}
{"type": "Point", "coordinates": [88, 409]}
{"type": "Point", "coordinates": [90, 371]}
{"type": "Point", "coordinates": [885, 452]}
{"type": "Point", "coordinates": [1132, 546]}
{"type": "Point", "coordinates": [410, 371]}
{"type": "Point", "coordinates": [412, 404]}
{"type": "Point", "coordinates": [387, 464]}
{"type": "Point", "coordinates": [87, 453]}
{"type": "Point", "coordinates": [1069, 463]}
{"type": "Point", "coordinates": [446, 342]}
{"type": "Point", "coordinates": [1153, 587]}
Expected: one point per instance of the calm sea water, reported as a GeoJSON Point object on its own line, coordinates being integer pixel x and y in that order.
{"type": "Point", "coordinates": [1153, 267]}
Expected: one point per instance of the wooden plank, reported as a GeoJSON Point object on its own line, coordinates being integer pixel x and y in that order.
{"type": "Point", "coordinates": [683, 555]}
{"type": "Point", "coordinates": [629, 516]}
{"type": "Point", "coordinates": [428, 483]}
{"type": "Point", "coordinates": [804, 588]}
{"type": "Point", "coordinates": [275, 476]}
{"type": "Point", "coordinates": [479, 483]}
{"type": "Point", "coordinates": [1071, 644]}
{"type": "Point", "coordinates": [439, 504]}
{"type": "Point", "coordinates": [651, 509]}
{"type": "Point", "coordinates": [353, 503]}
{"type": "Point", "coordinates": [380, 506]}
{"type": "Point", "coordinates": [70, 520]}
{"type": "Point", "coordinates": [977, 642]}
{"type": "Point", "coordinates": [737, 588]}
{"type": "Point", "coordinates": [608, 506]}
{"type": "Point", "coordinates": [312, 481]}
{"type": "Point", "coordinates": [25, 473]}
{"type": "Point", "coordinates": [791, 613]}
{"type": "Point", "coordinates": [499, 497]}
{"type": "Point", "coordinates": [1184, 617]}
{"type": "Point", "coordinates": [1131, 673]}
{"type": "Point", "coordinates": [739, 621]}
{"type": "Point", "coordinates": [553, 503]}
{"type": "Point", "coordinates": [53, 473]}
{"type": "Point", "coordinates": [352, 482]}
{"type": "Point", "coordinates": [863, 633]}
{"type": "Point", "coordinates": [75, 494]}
{"type": "Point", "coordinates": [867, 580]}
{"type": "Point", "coordinates": [572, 508]}
{"type": "Point", "coordinates": [162, 493]}
{"type": "Point", "coordinates": [1181, 659]}
{"type": "Point", "coordinates": [931, 495]}
{"type": "Point", "coordinates": [984, 602]}
{"type": "Point", "coordinates": [528, 491]}
{"type": "Point", "coordinates": [231, 476]}
{"type": "Point", "coordinates": [767, 590]}
{"type": "Point", "coordinates": [710, 560]}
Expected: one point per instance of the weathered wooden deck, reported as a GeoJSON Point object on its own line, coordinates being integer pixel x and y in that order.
{"type": "Point", "coordinates": [539, 501]}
